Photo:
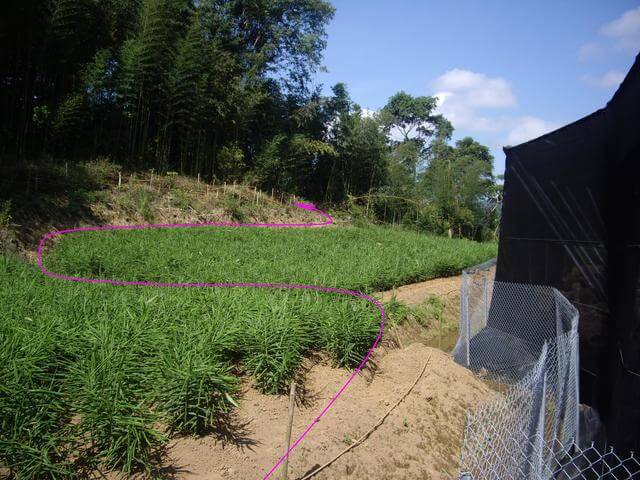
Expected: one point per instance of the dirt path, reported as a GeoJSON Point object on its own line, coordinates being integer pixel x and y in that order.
{"type": "Point", "coordinates": [417, 293]}
{"type": "Point", "coordinates": [442, 336]}
{"type": "Point", "coordinates": [419, 440]}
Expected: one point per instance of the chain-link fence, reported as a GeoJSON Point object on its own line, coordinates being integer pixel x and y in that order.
{"type": "Point", "coordinates": [523, 341]}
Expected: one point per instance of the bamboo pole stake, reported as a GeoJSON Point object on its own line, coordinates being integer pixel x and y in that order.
{"type": "Point", "coordinates": [397, 336]}
{"type": "Point", "coordinates": [292, 404]}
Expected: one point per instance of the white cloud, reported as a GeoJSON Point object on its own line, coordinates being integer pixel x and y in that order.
{"type": "Point", "coordinates": [590, 50]}
{"type": "Point", "coordinates": [612, 78]}
{"type": "Point", "coordinates": [463, 95]}
{"type": "Point", "coordinates": [470, 100]}
{"type": "Point", "coordinates": [623, 33]}
{"type": "Point", "coordinates": [368, 113]}
{"type": "Point", "coordinates": [528, 128]}
{"type": "Point", "coordinates": [477, 89]}
{"type": "Point", "coordinates": [625, 30]}
{"type": "Point", "coordinates": [609, 80]}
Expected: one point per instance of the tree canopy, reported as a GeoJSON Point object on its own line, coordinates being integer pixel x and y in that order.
{"type": "Point", "coordinates": [225, 89]}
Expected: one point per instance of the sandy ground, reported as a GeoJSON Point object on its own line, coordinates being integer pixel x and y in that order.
{"type": "Point", "coordinates": [419, 440]}
{"type": "Point", "coordinates": [416, 293]}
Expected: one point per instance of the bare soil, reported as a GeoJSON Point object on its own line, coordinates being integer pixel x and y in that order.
{"type": "Point", "coordinates": [447, 288]}
{"type": "Point", "coordinates": [420, 439]}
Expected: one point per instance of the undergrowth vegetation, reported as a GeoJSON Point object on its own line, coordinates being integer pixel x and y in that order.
{"type": "Point", "coordinates": [100, 376]}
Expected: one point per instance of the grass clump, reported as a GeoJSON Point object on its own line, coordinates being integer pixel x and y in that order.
{"type": "Point", "coordinates": [179, 199]}
{"type": "Point", "coordinates": [137, 199]}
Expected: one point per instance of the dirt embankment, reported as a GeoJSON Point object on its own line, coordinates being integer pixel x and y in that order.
{"type": "Point", "coordinates": [420, 439]}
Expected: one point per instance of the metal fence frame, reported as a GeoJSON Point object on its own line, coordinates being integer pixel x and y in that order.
{"type": "Point", "coordinates": [523, 341]}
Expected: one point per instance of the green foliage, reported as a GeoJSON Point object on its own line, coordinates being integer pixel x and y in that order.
{"type": "Point", "coordinates": [195, 386]}
{"type": "Point", "coordinates": [369, 259]}
{"type": "Point", "coordinates": [459, 182]}
{"type": "Point", "coordinates": [410, 115]}
{"type": "Point", "coordinates": [222, 88]}
{"type": "Point", "coordinates": [233, 207]}
{"type": "Point", "coordinates": [138, 199]}
{"type": "Point", "coordinates": [88, 373]}
{"type": "Point", "coordinates": [287, 162]}
{"type": "Point", "coordinates": [273, 344]}
{"type": "Point", "coordinates": [180, 199]}
{"type": "Point", "coordinates": [5, 213]}
{"type": "Point", "coordinates": [430, 314]}
{"type": "Point", "coordinates": [348, 332]}
{"type": "Point", "coordinates": [69, 122]}
{"type": "Point", "coordinates": [230, 162]}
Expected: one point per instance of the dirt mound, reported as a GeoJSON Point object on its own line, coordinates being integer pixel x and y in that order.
{"type": "Point", "coordinates": [420, 439]}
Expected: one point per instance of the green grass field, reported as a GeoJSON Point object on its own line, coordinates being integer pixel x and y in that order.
{"type": "Point", "coordinates": [101, 375]}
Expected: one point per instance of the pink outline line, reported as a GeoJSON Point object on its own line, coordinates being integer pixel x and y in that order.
{"type": "Point", "coordinates": [318, 288]}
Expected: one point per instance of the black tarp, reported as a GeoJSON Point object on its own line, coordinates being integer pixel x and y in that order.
{"type": "Point", "coordinates": [571, 220]}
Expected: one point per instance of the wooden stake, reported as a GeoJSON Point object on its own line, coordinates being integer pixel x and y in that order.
{"type": "Point", "coordinates": [292, 404]}
{"type": "Point", "coordinates": [397, 337]}
{"type": "Point", "coordinates": [198, 177]}
{"type": "Point", "coordinates": [119, 179]}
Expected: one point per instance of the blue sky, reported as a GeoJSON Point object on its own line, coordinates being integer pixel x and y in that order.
{"type": "Point", "coordinates": [505, 71]}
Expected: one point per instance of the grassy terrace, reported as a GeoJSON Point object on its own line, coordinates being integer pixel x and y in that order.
{"type": "Point", "coordinates": [367, 259]}
{"type": "Point", "coordinates": [101, 375]}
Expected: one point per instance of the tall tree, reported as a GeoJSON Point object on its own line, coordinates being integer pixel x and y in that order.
{"type": "Point", "coordinates": [459, 184]}
{"type": "Point", "coordinates": [412, 123]}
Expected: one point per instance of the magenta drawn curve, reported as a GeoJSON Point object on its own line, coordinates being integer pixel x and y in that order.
{"type": "Point", "coordinates": [328, 220]}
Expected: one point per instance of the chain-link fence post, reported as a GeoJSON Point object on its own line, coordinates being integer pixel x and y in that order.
{"type": "Point", "coordinates": [465, 317]}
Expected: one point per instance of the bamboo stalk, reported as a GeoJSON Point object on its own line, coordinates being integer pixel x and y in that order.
{"type": "Point", "coordinates": [292, 404]}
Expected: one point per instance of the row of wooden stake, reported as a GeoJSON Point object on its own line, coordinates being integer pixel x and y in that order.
{"type": "Point", "coordinates": [258, 194]}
